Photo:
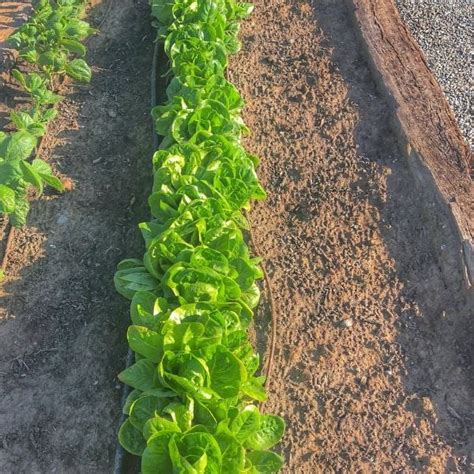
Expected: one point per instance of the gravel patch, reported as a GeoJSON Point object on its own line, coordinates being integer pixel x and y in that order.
{"type": "Point", "coordinates": [443, 30]}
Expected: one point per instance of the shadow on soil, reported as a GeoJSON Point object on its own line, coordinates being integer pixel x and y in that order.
{"type": "Point", "coordinates": [435, 326]}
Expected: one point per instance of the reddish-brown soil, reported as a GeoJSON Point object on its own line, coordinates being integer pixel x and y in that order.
{"type": "Point", "coordinates": [373, 369]}
{"type": "Point", "coordinates": [12, 15]}
{"type": "Point", "coordinates": [373, 365]}
{"type": "Point", "coordinates": [62, 325]}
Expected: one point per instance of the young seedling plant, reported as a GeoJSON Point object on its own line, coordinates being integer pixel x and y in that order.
{"type": "Point", "coordinates": [51, 42]}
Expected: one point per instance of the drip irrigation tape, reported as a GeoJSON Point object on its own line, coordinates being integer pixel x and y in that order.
{"type": "Point", "coordinates": [120, 453]}
{"type": "Point", "coordinates": [273, 314]}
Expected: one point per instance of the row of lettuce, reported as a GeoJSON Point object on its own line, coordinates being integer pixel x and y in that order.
{"type": "Point", "coordinates": [196, 388]}
{"type": "Point", "coordinates": [50, 43]}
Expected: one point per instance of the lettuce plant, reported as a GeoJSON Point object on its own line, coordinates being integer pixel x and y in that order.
{"type": "Point", "coordinates": [196, 386]}
{"type": "Point", "coordinates": [51, 41]}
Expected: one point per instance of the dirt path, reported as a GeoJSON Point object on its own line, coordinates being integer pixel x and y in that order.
{"type": "Point", "coordinates": [62, 326]}
{"type": "Point", "coordinates": [373, 367]}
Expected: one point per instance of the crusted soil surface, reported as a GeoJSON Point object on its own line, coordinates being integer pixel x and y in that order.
{"type": "Point", "coordinates": [373, 366]}
{"type": "Point", "coordinates": [62, 325]}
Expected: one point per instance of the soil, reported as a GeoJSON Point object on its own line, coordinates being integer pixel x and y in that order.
{"type": "Point", "coordinates": [12, 15]}
{"type": "Point", "coordinates": [62, 325]}
{"type": "Point", "coordinates": [373, 367]}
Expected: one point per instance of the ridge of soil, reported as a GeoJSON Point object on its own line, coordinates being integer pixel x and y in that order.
{"type": "Point", "coordinates": [374, 360]}
{"type": "Point", "coordinates": [62, 325]}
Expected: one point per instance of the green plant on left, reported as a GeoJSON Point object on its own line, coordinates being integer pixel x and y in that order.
{"type": "Point", "coordinates": [51, 42]}
{"type": "Point", "coordinates": [52, 39]}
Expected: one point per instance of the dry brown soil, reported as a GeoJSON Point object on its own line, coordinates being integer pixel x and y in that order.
{"type": "Point", "coordinates": [12, 15]}
{"type": "Point", "coordinates": [62, 325]}
{"type": "Point", "coordinates": [373, 365]}
{"type": "Point", "coordinates": [373, 368]}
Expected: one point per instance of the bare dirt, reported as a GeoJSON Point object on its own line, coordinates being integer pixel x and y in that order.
{"type": "Point", "coordinates": [12, 15]}
{"type": "Point", "coordinates": [62, 325]}
{"type": "Point", "coordinates": [374, 359]}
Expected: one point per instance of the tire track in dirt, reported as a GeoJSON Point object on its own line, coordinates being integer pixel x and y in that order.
{"type": "Point", "coordinates": [62, 325]}
{"type": "Point", "coordinates": [374, 355]}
